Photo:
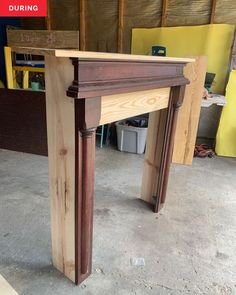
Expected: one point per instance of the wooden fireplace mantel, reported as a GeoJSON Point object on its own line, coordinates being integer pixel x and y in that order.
{"type": "Point", "coordinates": [87, 89]}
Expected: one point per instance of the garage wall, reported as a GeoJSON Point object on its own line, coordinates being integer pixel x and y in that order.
{"type": "Point", "coordinates": [105, 18]}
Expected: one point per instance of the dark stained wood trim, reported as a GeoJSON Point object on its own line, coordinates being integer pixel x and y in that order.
{"type": "Point", "coordinates": [90, 112]}
{"type": "Point", "coordinates": [175, 101]}
{"type": "Point", "coordinates": [100, 77]}
{"type": "Point", "coordinates": [87, 116]}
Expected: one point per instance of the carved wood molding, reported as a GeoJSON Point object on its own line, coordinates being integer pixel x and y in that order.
{"type": "Point", "coordinates": [100, 77]}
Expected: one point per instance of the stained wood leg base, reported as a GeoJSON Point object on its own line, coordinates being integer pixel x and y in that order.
{"type": "Point", "coordinates": [84, 204]}
{"type": "Point", "coordinates": [161, 130]}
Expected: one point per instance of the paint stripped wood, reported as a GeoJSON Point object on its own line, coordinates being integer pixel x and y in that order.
{"type": "Point", "coordinates": [6, 288]}
{"type": "Point", "coordinates": [164, 12]}
{"type": "Point", "coordinates": [120, 106]}
{"type": "Point", "coordinates": [213, 11]}
{"type": "Point", "coordinates": [82, 20]}
{"type": "Point", "coordinates": [188, 117]}
{"type": "Point", "coordinates": [61, 154]}
{"type": "Point", "coordinates": [152, 159]}
{"type": "Point", "coordinates": [43, 38]}
{"type": "Point", "coordinates": [99, 55]}
{"type": "Point", "coordinates": [121, 25]}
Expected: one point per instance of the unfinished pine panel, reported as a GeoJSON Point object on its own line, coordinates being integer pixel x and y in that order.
{"type": "Point", "coordinates": [152, 159]}
{"type": "Point", "coordinates": [6, 288]}
{"type": "Point", "coordinates": [120, 106]}
{"type": "Point", "coordinates": [43, 38]}
{"type": "Point", "coordinates": [98, 55]}
{"type": "Point", "coordinates": [188, 117]}
{"type": "Point", "coordinates": [61, 157]}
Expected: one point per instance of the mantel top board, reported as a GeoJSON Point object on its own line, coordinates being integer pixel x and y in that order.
{"type": "Point", "coordinates": [98, 55]}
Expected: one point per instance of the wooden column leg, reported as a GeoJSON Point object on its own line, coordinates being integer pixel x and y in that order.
{"type": "Point", "coordinates": [71, 152]}
{"type": "Point", "coordinates": [84, 204]}
{"type": "Point", "coordinates": [61, 158]}
{"type": "Point", "coordinates": [87, 116]}
{"type": "Point", "coordinates": [159, 150]}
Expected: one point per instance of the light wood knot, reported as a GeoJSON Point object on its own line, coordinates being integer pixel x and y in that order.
{"type": "Point", "coordinates": [152, 100]}
{"type": "Point", "coordinates": [63, 152]}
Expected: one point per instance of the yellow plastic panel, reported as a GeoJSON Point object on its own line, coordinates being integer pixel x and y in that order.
{"type": "Point", "coordinates": [226, 135]}
{"type": "Point", "coordinates": [215, 41]}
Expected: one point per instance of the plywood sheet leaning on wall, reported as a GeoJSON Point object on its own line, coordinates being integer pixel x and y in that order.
{"type": "Point", "coordinates": [189, 41]}
{"type": "Point", "coordinates": [226, 135]}
{"type": "Point", "coordinates": [43, 38]}
{"type": "Point", "coordinates": [188, 117]}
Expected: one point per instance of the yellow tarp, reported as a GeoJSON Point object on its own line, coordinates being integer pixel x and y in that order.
{"type": "Point", "coordinates": [215, 41]}
{"type": "Point", "coordinates": [226, 135]}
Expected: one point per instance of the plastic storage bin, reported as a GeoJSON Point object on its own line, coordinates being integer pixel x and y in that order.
{"type": "Point", "coordinates": [131, 139]}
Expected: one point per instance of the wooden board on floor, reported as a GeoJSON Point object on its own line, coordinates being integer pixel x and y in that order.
{"type": "Point", "coordinates": [188, 117]}
{"type": "Point", "coordinates": [61, 157]}
{"type": "Point", "coordinates": [6, 288]}
{"type": "Point", "coordinates": [43, 38]}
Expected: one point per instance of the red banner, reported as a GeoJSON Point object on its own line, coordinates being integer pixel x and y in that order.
{"type": "Point", "coordinates": [23, 8]}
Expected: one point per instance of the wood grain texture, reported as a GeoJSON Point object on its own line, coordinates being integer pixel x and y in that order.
{"type": "Point", "coordinates": [61, 156]}
{"type": "Point", "coordinates": [188, 117]}
{"type": "Point", "coordinates": [98, 55]}
{"type": "Point", "coordinates": [6, 288]}
{"type": "Point", "coordinates": [120, 106]}
{"type": "Point", "coordinates": [43, 38]}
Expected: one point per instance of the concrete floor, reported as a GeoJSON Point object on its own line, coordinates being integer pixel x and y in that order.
{"type": "Point", "coordinates": [189, 248]}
